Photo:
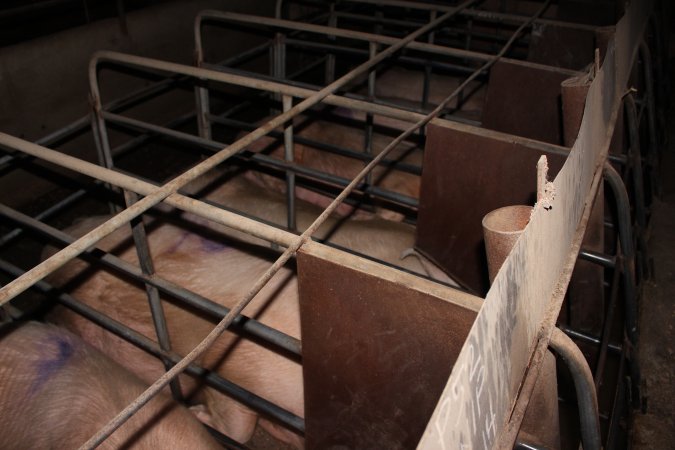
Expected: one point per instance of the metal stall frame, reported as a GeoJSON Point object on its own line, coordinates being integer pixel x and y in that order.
{"type": "Point", "coordinates": [177, 199]}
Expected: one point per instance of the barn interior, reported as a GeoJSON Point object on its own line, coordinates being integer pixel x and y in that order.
{"type": "Point", "coordinates": [311, 210]}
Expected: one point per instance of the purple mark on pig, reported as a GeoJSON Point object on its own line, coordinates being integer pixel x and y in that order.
{"type": "Point", "coordinates": [59, 351]}
{"type": "Point", "coordinates": [210, 246]}
{"type": "Point", "coordinates": [178, 243]}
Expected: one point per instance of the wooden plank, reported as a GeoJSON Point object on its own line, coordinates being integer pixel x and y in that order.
{"type": "Point", "coordinates": [480, 394]}
{"type": "Point", "coordinates": [376, 350]}
{"type": "Point", "coordinates": [465, 177]}
{"type": "Point", "coordinates": [525, 101]}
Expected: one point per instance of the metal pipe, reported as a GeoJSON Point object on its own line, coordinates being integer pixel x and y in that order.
{"type": "Point", "coordinates": [628, 254]}
{"type": "Point", "coordinates": [653, 154]}
{"type": "Point", "coordinates": [635, 157]}
{"type": "Point", "coordinates": [243, 324]}
{"type": "Point", "coordinates": [607, 327]}
{"type": "Point", "coordinates": [264, 159]}
{"type": "Point", "coordinates": [238, 393]}
{"type": "Point", "coordinates": [332, 148]}
{"type": "Point", "coordinates": [584, 387]}
{"type": "Point", "coordinates": [576, 334]}
{"type": "Point", "coordinates": [358, 35]}
{"type": "Point", "coordinates": [154, 302]}
{"type": "Point", "coordinates": [598, 258]}
{"type": "Point", "coordinates": [490, 16]}
{"type": "Point", "coordinates": [290, 175]}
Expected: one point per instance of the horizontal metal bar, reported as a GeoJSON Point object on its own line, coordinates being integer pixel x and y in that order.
{"type": "Point", "coordinates": [264, 159]}
{"type": "Point", "coordinates": [331, 148]}
{"type": "Point", "coordinates": [238, 393]}
{"type": "Point", "coordinates": [246, 324]}
{"type": "Point", "coordinates": [584, 337]}
{"type": "Point", "coordinates": [602, 259]}
{"type": "Point", "coordinates": [363, 36]}
{"type": "Point", "coordinates": [491, 16]}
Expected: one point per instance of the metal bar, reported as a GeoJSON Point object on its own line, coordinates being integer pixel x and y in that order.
{"type": "Point", "coordinates": [215, 333]}
{"type": "Point", "coordinates": [242, 323]}
{"type": "Point", "coordinates": [628, 254]}
{"type": "Point", "coordinates": [268, 160]}
{"type": "Point", "coordinates": [288, 157]}
{"type": "Point", "coordinates": [403, 167]}
{"type": "Point", "coordinates": [635, 158]}
{"type": "Point", "coordinates": [238, 393]}
{"type": "Point", "coordinates": [598, 258]}
{"type": "Point", "coordinates": [355, 51]}
{"type": "Point", "coordinates": [358, 35]}
{"type": "Point", "coordinates": [387, 111]}
{"type": "Point", "coordinates": [576, 334]}
{"type": "Point", "coordinates": [155, 303]}
{"type": "Point", "coordinates": [607, 328]}
{"type": "Point", "coordinates": [653, 154]}
{"type": "Point", "coordinates": [584, 386]}
{"type": "Point", "coordinates": [491, 16]}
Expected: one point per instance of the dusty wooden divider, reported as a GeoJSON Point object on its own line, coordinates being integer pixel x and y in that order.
{"type": "Point", "coordinates": [511, 332]}
{"type": "Point", "coordinates": [378, 347]}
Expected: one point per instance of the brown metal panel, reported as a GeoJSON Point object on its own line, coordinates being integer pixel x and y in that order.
{"type": "Point", "coordinates": [376, 355]}
{"type": "Point", "coordinates": [524, 100]}
{"type": "Point", "coordinates": [562, 47]}
{"type": "Point", "coordinates": [465, 177]}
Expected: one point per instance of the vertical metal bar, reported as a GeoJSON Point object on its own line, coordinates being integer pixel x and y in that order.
{"type": "Point", "coordinates": [330, 58]}
{"type": "Point", "coordinates": [156, 309]}
{"type": "Point", "coordinates": [628, 265]}
{"type": "Point", "coordinates": [202, 102]}
{"type": "Point", "coordinates": [635, 158]}
{"type": "Point", "coordinates": [102, 142]}
{"type": "Point", "coordinates": [653, 154]}
{"type": "Point", "coordinates": [288, 157]}
{"type": "Point", "coordinates": [584, 387]}
{"type": "Point", "coordinates": [427, 68]}
{"type": "Point", "coordinates": [608, 324]}
{"type": "Point", "coordinates": [372, 75]}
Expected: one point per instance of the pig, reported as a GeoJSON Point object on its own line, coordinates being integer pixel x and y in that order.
{"type": "Point", "coordinates": [212, 267]}
{"type": "Point", "coordinates": [349, 138]}
{"type": "Point", "coordinates": [397, 85]}
{"type": "Point", "coordinates": [384, 240]}
{"type": "Point", "coordinates": [57, 392]}
{"type": "Point", "coordinates": [220, 266]}
{"type": "Point", "coordinates": [405, 87]}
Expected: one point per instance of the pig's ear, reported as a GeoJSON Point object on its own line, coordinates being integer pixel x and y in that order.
{"type": "Point", "coordinates": [202, 413]}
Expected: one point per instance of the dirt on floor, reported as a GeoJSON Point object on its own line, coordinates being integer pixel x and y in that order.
{"type": "Point", "coordinates": [655, 428]}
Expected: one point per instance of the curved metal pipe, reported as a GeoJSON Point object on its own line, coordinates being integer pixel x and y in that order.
{"type": "Point", "coordinates": [584, 387]}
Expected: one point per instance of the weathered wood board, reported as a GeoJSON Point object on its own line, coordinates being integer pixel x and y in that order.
{"type": "Point", "coordinates": [378, 346]}
{"type": "Point", "coordinates": [483, 386]}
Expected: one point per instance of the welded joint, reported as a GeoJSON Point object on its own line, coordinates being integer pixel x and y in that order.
{"type": "Point", "coordinates": [584, 386]}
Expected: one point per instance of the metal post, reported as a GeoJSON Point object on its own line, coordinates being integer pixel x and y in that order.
{"type": "Point", "coordinates": [154, 302]}
{"type": "Point", "coordinates": [427, 72]}
{"type": "Point", "coordinates": [628, 265]}
{"type": "Point", "coordinates": [288, 157]}
{"type": "Point", "coordinates": [653, 154]}
{"type": "Point", "coordinates": [330, 58]}
{"type": "Point", "coordinates": [584, 386]}
{"type": "Point", "coordinates": [635, 158]}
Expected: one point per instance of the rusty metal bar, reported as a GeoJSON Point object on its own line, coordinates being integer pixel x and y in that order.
{"type": "Point", "coordinates": [584, 386]}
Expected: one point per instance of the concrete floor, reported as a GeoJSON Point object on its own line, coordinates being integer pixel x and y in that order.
{"type": "Point", "coordinates": [655, 429]}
